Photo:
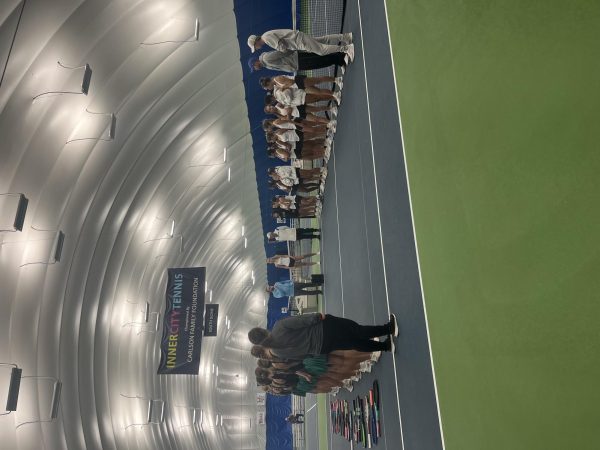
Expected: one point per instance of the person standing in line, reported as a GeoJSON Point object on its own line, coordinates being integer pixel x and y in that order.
{"type": "Point", "coordinates": [291, 288]}
{"type": "Point", "coordinates": [295, 418]}
{"type": "Point", "coordinates": [286, 39]}
{"type": "Point", "coordinates": [291, 261]}
{"type": "Point", "coordinates": [294, 60]}
{"type": "Point", "coordinates": [298, 81]}
{"type": "Point", "coordinates": [296, 337]}
{"type": "Point", "coordinates": [287, 234]}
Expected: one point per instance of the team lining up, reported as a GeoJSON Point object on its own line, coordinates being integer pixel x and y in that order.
{"type": "Point", "coordinates": [313, 353]}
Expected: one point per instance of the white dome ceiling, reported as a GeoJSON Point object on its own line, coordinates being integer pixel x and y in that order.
{"type": "Point", "coordinates": [159, 194]}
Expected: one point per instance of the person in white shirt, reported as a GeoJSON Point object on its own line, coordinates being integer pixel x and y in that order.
{"type": "Point", "coordinates": [304, 131]}
{"type": "Point", "coordinates": [286, 39]}
{"type": "Point", "coordinates": [298, 81]}
{"type": "Point", "coordinates": [291, 96]}
{"type": "Point", "coordinates": [295, 124]}
{"type": "Point", "coordinates": [297, 139]}
{"type": "Point", "coordinates": [289, 261]}
{"type": "Point", "coordinates": [304, 154]}
{"type": "Point", "coordinates": [306, 206]}
{"type": "Point", "coordinates": [313, 174]}
{"type": "Point", "coordinates": [287, 234]}
{"type": "Point", "coordinates": [305, 112]}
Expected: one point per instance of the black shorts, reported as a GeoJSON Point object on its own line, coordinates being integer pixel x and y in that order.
{"type": "Point", "coordinates": [301, 111]}
{"type": "Point", "coordinates": [299, 79]}
{"type": "Point", "coordinates": [300, 135]}
{"type": "Point", "coordinates": [298, 149]}
{"type": "Point", "coordinates": [292, 263]}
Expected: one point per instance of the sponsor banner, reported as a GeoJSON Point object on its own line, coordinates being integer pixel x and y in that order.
{"type": "Point", "coordinates": [261, 398]}
{"type": "Point", "coordinates": [182, 324]}
{"type": "Point", "coordinates": [211, 319]}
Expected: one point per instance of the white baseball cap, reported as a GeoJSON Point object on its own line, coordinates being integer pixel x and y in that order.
{"type": "Point", "coordinates": [251, 40]}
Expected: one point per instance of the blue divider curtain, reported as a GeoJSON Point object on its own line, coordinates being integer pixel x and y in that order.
{"type": "Point", "coordinates": [256, 17]}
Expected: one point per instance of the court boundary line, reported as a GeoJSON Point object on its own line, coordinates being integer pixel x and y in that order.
{"type": "Point", "coordinates": [362, 188]}
{"type": "Point", "coordinates": [412, 219]}
{"type": "Point", "coordinates": [337, 216]}
{"type": "Point", "coordinates": [387, 299]}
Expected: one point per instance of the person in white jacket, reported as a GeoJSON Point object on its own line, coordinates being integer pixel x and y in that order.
{"type": "Point", "coordinates": [286, 39]}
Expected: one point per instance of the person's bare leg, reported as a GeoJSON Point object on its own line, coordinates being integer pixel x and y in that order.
{"type": "Point", "coordinates": [313, 152]}
{"type": "Point", "coordinates": [314, 127]}
{"type": "Point", "coordinates": [309, 202]}
{"type": "Point", "coordinates": [316, 119]}
{"type": "Point", "coordinates": [311, 109]}
{"type": "Point", "coordinates": [317, 91]}
{"type": "Point", "coordinates": [314, 134]}
{"type": "Point", "coordinates": [315, 98]}
{"type": "Point", "coordinates": [304, 264]}
{"type": "Point", "coordinates": [308, 173]}
{"type": "Point", "coordinates": [355, 354]}
{"type": "Point", "coordinates": [314, 144]}
{"type": "Point", "coordinates": [313, 81]}
{"type": "Point", "coordinates": [307, 188]}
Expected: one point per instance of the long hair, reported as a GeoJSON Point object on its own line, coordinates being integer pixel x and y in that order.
{"type": "Point", "coordinates": [258, 351]}
{"type": "Point", "coordinates": [264, 363]}
{"type": "Point", "coordinates": [264, 82]}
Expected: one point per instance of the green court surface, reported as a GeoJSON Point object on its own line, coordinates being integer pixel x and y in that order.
{"type": "Point", "coordinates": [500, 105]}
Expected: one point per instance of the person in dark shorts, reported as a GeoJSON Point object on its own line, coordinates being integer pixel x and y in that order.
{"type": "Point", "coordinates": [295, 337]}
{"type": "Point", "coordinates": [291, 261]}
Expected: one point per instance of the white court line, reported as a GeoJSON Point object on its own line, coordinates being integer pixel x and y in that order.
{"type": "Point", "coordinates": [308, 410]}
{"type": "Point", "coordinates": [322, 258]}
{"type": "Point", "coordinates": [412, 218]}
{"type": "Point", "coordinates": [362, 187]}
{"type": "Point", "coordinates": [337, 215]}
{"type": "Point", "coordinates": [387, 299]}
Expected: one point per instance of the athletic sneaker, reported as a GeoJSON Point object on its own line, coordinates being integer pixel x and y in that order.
{"type": "Point", "coordinates": [365, 366]}
{"type": "Point", "coordinates": [375, 356]}
{"type": "Point", "coordinates": [348, 385]}
{"type": "Point", "coordinates": [390, 346]}
{"type": "Point", "coordinates": [342, 70]}
{"type": "Point", "coordinates": [338, 97]}
{"type": "Point", "coordinates": [346, 60]}
{"type": "Point", "coordinates": [393, 326]}
{"type": "Point", "coordinates": [333, 110]}
{"type": "Point", "coordinates": [348, 38]}
{"type": "Point", "coordinates": [350, 52]}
